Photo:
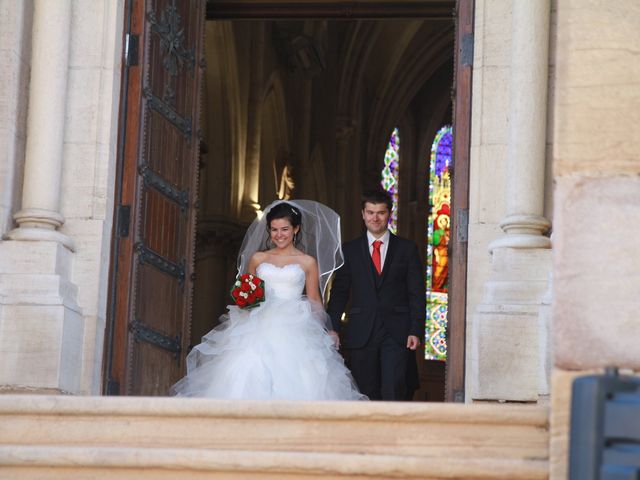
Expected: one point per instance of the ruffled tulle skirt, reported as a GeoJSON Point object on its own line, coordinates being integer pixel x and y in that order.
{"type": "Point", "coordinates": [279, 350]}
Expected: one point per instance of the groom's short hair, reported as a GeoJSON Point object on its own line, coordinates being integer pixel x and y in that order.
{"type": "Point", "coordinates": [376, 196]}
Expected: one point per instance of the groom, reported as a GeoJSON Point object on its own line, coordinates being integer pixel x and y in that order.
{"type": "Point", "coordinates": [382, 275]}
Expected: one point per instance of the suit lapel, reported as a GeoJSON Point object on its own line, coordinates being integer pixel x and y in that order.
{"type": "Point", "coordinates": [367, 263]}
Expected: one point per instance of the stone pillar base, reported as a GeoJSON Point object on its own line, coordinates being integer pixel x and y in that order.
{"type": "Point", "coordinates": [41, 326]}
{"type": "Point", "coordinates": [506, 360]}
{"type": "Point", "coordinates": [36, 234]}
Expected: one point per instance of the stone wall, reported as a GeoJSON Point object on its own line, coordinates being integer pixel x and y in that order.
{"type": "Point", "coordinates": [54, 281]}
{"type": "Point", "coordinates": [596, 154]}
{"type": "Point", "coordinates": [488, 155]}
{"type": "Point", "coordinates": [88, 179]}
{"type": "Point", "coordinates": [510, 195]}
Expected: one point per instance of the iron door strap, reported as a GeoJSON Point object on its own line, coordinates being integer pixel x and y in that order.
{"type": "Point", "coordinates": [149, 335]}
{"type": "Point", "coordinates": [156, 181]}
{"type": "Point", "coordinates": [146, 255]}
{"type": "Point", "coordinates": [181, 123]}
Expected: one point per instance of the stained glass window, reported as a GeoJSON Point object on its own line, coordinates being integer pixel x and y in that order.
{"type": "Point", "coordinates": [390, 176]}
{"type": "Point", "coordinates": [437, 243]}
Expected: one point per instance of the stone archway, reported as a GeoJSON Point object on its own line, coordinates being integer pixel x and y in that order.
{"type": "Point", "coordinates": [356, 125]}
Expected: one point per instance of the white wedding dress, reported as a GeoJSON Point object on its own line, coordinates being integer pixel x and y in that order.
{"type": "Point", "coordinates": [279, 350]}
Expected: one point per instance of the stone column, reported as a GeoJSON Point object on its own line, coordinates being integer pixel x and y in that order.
{"type": "Point", "coordinates": [40, 217]}
{"type": "Point", "coordinates": [41, 327]}
{"type": "Point", "coordinates": [507, 347]}
{"type": "Point", "coordinates": [524, 223]}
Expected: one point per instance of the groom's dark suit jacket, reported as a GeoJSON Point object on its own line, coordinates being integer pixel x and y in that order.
{"type": "Point", "coordinates": [396, 298]}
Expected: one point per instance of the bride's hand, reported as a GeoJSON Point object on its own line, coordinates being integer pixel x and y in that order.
{"type": "Point", "coordinates": [335, 337]}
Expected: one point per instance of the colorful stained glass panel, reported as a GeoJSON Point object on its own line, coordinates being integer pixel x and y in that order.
{"type": "Point", "coordinates": [390, 176]}
{"type": "Point", "coordinates": [439, 223]}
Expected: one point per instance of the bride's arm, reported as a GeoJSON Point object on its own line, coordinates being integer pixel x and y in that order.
{"type": "Point", "coordinates": [312, 285]}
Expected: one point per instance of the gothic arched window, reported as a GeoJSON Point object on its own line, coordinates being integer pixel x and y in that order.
{"type": "Point", "coordinates": [439, 223]}
{"type": "Point", "coordinates": [390, 176]}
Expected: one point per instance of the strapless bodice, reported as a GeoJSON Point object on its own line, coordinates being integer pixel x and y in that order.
{"type": "Point", "coordinates": [285, 282]}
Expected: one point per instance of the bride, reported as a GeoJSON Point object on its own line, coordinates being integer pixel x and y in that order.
{"type": "Point", "coordinates": [281, 349]}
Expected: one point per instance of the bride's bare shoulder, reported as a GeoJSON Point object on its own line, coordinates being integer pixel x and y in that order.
{"type": "Point", "coordinates": [256, 259]}
{"type": "Point", "coordinates": [307, 260]}
{"type": "Point", "coordinates": [259, 256]}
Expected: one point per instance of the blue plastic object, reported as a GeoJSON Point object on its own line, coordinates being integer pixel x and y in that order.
{"type": "Point", "coordinates": [605, 428]}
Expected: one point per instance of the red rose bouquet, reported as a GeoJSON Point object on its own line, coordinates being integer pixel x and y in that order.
{"type": "Point", "coordinates": [248, 291]}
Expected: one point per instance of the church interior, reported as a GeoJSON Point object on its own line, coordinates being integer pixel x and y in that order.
{"type": "Point", "coordinates": [321, 109]}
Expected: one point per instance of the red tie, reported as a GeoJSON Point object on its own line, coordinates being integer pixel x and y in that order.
{"type": "Point", "coordinates": [375, 256]}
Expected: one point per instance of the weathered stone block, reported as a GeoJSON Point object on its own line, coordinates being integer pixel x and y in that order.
{"type": "Point", "coordinates": [596, 287]}
{"type": "Point", "coordinates": [41, 347]}
{"type": "Point", "coordinates": [505, 359]}
{"type": "Point", "coordinates": [41, 326]}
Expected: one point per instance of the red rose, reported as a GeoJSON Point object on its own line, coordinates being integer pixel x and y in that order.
{"type": "Point", "coordinates": [242, 293]}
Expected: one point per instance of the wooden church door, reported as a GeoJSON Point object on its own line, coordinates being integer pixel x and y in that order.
{"type": "Point", "coordinates": [151, 278]}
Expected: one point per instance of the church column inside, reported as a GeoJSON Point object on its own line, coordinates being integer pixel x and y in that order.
{"type": "Point", "coordinates": [506, 343]}
{"type": "Point", "coordinates": [251, 200]}
{"type": "Point", "coordinates": [345, 134]}
{"type": "Point", "coordinates": [40, 322]}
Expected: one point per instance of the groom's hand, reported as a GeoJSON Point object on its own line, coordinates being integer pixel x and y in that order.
{"type": "Point", "coordinates": [336, 337]}
{"type": "Point", "coordinates": [413, 342]}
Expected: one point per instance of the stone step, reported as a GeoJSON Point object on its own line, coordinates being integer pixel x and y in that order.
{"type": "Point", "coordinates": [133, 437]}
{"type": "Point", "coordinates": [63, 462]}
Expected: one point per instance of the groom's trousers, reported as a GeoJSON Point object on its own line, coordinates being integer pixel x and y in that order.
{"type": "Point", "coordinates": [379, 368]}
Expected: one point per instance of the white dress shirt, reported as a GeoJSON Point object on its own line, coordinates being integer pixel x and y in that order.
{"type": "Point", "coordinates": [383, 248]}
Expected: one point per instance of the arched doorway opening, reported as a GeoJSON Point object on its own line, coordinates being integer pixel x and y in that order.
{"type": "Point", "coordinates": [298, 98]}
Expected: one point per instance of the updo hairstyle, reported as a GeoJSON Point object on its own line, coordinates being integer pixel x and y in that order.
{"type": "Point", "coordinates": [284, 210]}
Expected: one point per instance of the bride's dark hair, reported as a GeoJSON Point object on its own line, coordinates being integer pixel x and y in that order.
{"type": "Point", "coordinates": [288, 211]}
{"type": "Point", "coordinates": [319, 237]}
{"type": "Point", "coordinates": [284, 210]}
